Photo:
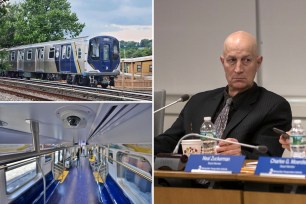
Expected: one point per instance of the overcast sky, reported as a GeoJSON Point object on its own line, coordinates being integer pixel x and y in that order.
{"type": "Point", "coordinates": [128, 20]}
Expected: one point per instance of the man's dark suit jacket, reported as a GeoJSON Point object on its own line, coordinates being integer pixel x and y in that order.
{"type": "Point", "coordinates": [252, 123]}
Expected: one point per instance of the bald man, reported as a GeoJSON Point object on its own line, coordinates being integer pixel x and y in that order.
{"type": "Point", "coordinates": [253, 113]}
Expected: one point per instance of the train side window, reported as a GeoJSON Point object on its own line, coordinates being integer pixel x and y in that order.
{"type": "Point", "coordinates": [42, 53]}
{"type": "Point", "coordinates": [12, 55]}
{"type": "Point", "coordinates": [68, 51]}
{"type": "Point", "coordinates": [29, 55]}
{"type": "Point", "coordinates": [94, 48]}
{"type": "Point", "coordinates": [105, 52]}
{"type": "Point", "coordinates": [56, 157]}
{"type": "Point", "coordinates": [79, 53]}
{"type": "Point", "coordinates": [21, 55]}
{"type": "Point", "coordinates": [51, 53]}
{"type": "Point", "coordinates": [18, 174]}
{"type": "Point", "coordinates": [64, 52]}
{"type": "Point", "coordinates": [130, 180]}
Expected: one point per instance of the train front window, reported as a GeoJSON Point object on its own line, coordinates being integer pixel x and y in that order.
{"type": "Point", "coordinates": [94, 48]}
{"type": "Point", "coordinates": [130, 180]}
{"type": "Point", "coordinates": [105, 52]}
{"type": "Point", "coordinates": [18, 174]}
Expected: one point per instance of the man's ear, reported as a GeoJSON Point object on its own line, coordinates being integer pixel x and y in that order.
{"type": "Point", "coordinates": [222, 59]}
{"type": "Point", "coordinates": [259, 61]}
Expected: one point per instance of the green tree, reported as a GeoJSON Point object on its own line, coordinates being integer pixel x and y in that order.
{"type": "Point", "coordinates": [34, 21]}
{"type": "Point", "coordinates": [46, 20]}
{"type": "Point", "coordinates": [4, 64]}
{"type": "Point", "coordinates": [131, 49]}
{"type": "Point", "coordinates": [8, 22]}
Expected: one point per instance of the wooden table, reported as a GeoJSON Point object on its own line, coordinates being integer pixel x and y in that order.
{"type": "Point", "coordinates": [225, 196]}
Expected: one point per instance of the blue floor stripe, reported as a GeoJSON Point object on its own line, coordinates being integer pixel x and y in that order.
{"type": "Point", "coordinates": [78, 187]}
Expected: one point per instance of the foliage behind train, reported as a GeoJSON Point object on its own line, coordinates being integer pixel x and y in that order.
{"type": "Point", "coordinates": [86, 61]}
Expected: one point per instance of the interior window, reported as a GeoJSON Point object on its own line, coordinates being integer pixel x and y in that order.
{"type": "Point", "coordinates": [137, 184]}
{"type": "Point", "coordinates": [16, 175]}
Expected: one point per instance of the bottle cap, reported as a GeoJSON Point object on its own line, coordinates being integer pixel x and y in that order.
{"type": "Point", "coordinates": [207, 118]}
{"type": "Point", "coordinates": [297, 121]}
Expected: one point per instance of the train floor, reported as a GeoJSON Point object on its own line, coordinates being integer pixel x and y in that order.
{"type": "Point", "coordinates": [78, 187]}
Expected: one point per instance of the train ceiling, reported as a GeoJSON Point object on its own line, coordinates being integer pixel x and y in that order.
{"type": "Point", "coordinates": [99, 123]}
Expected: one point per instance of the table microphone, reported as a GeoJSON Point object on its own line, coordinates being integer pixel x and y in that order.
{"type": "Point", "coordinates": [259, 148]}
{"type": "Point", "coordinates": [183, 98]}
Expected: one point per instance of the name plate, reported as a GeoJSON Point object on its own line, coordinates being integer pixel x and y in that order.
{"type": "Point", "coordinates": [205, 163]}
{"type": "Point", "coordinates": [276, 166]}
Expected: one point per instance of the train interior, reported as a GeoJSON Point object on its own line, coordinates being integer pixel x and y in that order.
{"type": "Point", "coordinates": [75, 152]}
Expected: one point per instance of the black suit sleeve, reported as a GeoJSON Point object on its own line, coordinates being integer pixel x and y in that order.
{"type": "Point", "coordinates": [280, 117]}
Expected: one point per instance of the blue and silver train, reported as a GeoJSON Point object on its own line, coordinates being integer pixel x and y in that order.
{"type": "Point", "coordinates": [87, 61]}
{"type": "Point", "coordinates": [75, 153]}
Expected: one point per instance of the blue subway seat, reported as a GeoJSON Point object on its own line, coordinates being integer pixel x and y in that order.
{"type": "Point", "coordinates": [35, 193]}
{"type": "Point", "coordinates": [115, 192]}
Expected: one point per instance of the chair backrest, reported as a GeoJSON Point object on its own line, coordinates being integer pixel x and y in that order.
{"type": "Point", "coordinates": [159, 101]}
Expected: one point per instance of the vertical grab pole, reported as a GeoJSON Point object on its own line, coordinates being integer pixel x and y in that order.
{"type": "Point", "coordinates": [34, 125]}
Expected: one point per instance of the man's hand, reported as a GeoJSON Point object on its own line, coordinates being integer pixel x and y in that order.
{"type": "Point", "coordinates": [228, 148]}
{"type": "Point", "coordinates": [284, 142]}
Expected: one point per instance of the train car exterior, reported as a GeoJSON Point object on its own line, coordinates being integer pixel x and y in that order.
{"type": "Point", "coordinates": [87, 61]}
{"type": "Point", "coordinates": [47, 155]}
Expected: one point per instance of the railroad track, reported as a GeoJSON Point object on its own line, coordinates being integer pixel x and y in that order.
{"type": "Point", "coordinates": [74, 92]}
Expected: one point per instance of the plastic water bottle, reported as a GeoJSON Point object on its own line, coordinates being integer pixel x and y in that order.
{"type": "Point", "coordinates": [208, 129]}
{"type": "Point", "coordinates": [297, 140]}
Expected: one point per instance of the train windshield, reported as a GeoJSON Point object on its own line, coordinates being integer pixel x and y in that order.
{"type": "Point", "coordinates": [94, 48]}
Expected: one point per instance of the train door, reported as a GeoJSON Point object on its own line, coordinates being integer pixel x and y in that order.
{"type": "Point", "coordinates": [20, 60]}
{"type": "Point", "coordinates": [66, 59]}
{"type": "Point", "coordinates": [57, 57]}
{"type": "Point", "coordinates": [39, 59]}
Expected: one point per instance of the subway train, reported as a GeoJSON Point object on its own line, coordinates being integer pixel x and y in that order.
{"type": "Point", "coordinates": [86, 61]}
{"type": "Point", "coordinates": [75, 153]}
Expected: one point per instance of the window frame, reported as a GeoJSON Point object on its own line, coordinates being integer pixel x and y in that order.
{"type": "Point", "coordinates": [18, 165]}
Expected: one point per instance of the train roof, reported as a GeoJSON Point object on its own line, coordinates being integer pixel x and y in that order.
{"type": "Point", "coordinates": [78, 39]}
{"type": "Point", "coordinates": [101, 123]}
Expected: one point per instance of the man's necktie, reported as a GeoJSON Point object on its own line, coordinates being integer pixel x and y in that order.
{"type": "Point", "coordinates": [221, 120]}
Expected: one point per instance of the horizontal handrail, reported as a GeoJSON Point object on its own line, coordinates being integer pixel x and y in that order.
{"type": "Point", "coordinates": [5, 159]}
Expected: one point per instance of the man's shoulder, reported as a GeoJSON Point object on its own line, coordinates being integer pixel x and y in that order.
{"type": "Point", "coordinates": [269, 93]}
{"type": "Point", "coordinates": [271, 96]}
{"type": "Point", "coordinates": [209, 93]}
